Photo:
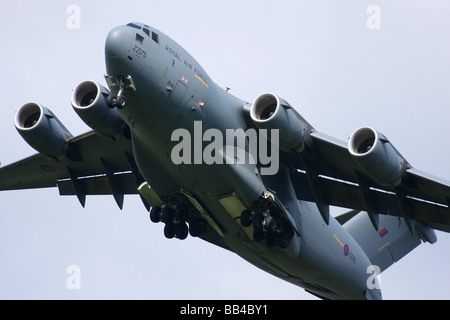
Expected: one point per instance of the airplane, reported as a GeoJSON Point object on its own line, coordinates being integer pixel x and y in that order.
{"type": "Point", "coordinates": [254, 178]}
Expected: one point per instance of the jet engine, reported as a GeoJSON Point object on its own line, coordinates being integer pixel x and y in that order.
{"type": "Point", "coordinates": [376, 156]}
{"type": "Point", "coordinates": [268, 111]}
{"type": "Point", "coordinates": [42, 130]}
{"type": "Point", "coordinates": [89, 100]}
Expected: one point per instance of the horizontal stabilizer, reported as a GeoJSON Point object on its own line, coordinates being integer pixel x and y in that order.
{"type": "Point", "coordinates": [389, 244]}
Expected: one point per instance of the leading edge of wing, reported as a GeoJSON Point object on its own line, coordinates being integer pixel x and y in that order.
{"type": "Point", "coordinates": [420, 195]}
{"type": "Point", "coordinates": [102, 166]}
{"type": "Point", "coordinates": [33, 172]}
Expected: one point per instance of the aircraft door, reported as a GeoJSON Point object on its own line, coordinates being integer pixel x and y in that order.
{"type": "Point", "coordinates": [177, 94]}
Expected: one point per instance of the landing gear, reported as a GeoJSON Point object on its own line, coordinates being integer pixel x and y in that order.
{"type": "Point", "coordinates": [118, 101]}
{"type": "Point", "coordinates": [177, 230]}
{"type": "Point", "coordinates": [176, 219]}
{"type": "Point", "coordinates": [181, 230]}
{"type": "Point", "coordinates": [155, 214]}
{"type": "Point", "coordinates": [169, 231]}
{"type": "Point", "coordinates": [111, 101]}
{"type": "Point", "coordinates": [196, 227]}
{"type": "Point", "coordinates": [121, 101]}
{"type": "Point", "coordinates": [268, 225]}
{"type": "Point", "coordinates": [167, 214]}
{"type": "Point", "coordinates": [122, 82]}
{"type": "Point", "coordinates": [247, 218]}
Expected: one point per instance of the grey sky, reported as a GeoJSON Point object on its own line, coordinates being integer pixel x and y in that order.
{"type": "Point", "coordinates": [318, 55]}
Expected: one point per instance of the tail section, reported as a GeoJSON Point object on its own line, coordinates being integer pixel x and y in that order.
{"type": "Point", "coordinates": [391, 242]}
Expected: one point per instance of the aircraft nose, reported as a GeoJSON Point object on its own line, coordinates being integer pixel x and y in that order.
{"type": "Point", "coordinates": [117, 45]}
{"type": "Point", "coordinates": [115, 42]}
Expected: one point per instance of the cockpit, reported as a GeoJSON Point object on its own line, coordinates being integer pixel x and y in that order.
{"type": "Point", "coordinates": [153, 35]}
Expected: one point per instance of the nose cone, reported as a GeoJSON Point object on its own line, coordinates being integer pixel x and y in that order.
{"type": "Point", "coordinates": [115, 42]}
{"type": "Point", "coordinates": [117, 45]}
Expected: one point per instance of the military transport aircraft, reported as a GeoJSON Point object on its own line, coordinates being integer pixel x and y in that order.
{"type": "Point", "coordinates": [254, 178]}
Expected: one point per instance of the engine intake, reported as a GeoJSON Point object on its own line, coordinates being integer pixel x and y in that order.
{"type": "Point", "coordinates": [268, 111]}
{"type": "Point", "coordinates": [42, 130]}
{"type": "Point", "coordinates": [376, 156]}
{"type": "Point", "coordinates": [89, 100]}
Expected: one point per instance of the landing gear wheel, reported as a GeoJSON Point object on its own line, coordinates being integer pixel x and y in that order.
{"type": "Point", "coordinates": [155, 214]}
{"type": "Point", "coordinates": [284, 240]}
{"type": "Point", "coordinates": [258, 222]}
{"type": "Point", "coordinates": [181, 212]}
{"type": "Point", "coordinates": [121, 101]}
{"type": "Point", "coordinates": [196, 228]}
{"type": "Point", "coordinates": [167, 215]}
{"type": "Point", "coordinates": [111, 101]}
{"type": "Point", "coordinates": [181, 230]}
{"type": "Point", "coordinates": [271, 239]}
{"type": "Point", "coordinates": [258, 235]}
{"type": "Point", "coordinates": [270, 224]}
{"type": "Point", "coordinates": [247, 218]}
{"type": "Point", "coordinates": [169, 230]}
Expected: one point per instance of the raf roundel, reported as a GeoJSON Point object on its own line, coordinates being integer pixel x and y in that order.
{"type": "Point", "coordinates": [346, 250]}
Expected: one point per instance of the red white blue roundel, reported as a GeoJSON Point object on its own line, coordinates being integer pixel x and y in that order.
{"type": "Point", "coordinates": [346, 250]}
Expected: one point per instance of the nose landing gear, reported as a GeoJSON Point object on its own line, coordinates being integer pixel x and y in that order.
{"type": "Point", "coordinates": [118, 101]}
{"type": "Point", "coordinates": [121, 82]}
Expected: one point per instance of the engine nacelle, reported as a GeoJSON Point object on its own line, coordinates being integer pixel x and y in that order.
{"type": "Point", "coordinates": [89, 100]}
{"type": "Point", "coordinates": [42, 130]}
{"type": "Point", "coordinates": [376, 156]}
{"type": "Point", "coordinates": [268, 111]}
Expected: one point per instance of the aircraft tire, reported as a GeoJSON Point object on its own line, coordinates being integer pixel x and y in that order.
{"type": "Point", "coordinates": [258, 222]}
{"type": "Point", "coordinates": [169, 230]}
{"type": "Point", "coordinates": [258, 235]}
{"type": "Point", "coordinates": [270, 224]}
{"type": "Point", "coordinates": [181, 230]}
{"type": "Point", "coordinates": [271, 239]}
{"type": "Point", "coordinates": [155, 214]}
{"type": "Point", "coordinates": [181, 212]}
{"type": "Point", "coordinates": [196, 228]}
{"type": "Point", "coordinates": [167, 214]}
{"type": "Point", "coordinates": [111, 101]}
{"type": "Point", "coordinates": [284, 240]}
{"type": "Point", "coordinates": [121, 101]}
{"type": "Point", "coordinates": [247, 218]}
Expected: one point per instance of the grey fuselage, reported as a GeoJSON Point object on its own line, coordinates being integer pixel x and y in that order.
{"type": "Point", "coordinates": [172, 91]}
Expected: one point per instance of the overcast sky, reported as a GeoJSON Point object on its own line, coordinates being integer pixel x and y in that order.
{"type": "Point", "coordinates": [341, 64]}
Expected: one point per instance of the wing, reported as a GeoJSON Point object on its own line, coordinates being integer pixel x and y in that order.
{"type": "Point", "coordinates": [98, 166]}
{"type": "Point", "coordinates": [365, 174]}
{"type": "Point", "coordinates": [330, 175]}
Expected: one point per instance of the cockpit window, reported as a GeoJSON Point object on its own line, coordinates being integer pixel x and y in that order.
{"type": "Point", "coordinates": [154, 36]}
{"type": "Point", "coordinates": [134, 26]}
{"type": "Point", "coordinates": [139, 38]}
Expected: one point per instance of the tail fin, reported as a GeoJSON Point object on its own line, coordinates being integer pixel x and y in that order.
{"type": "Point", "coordinates": [391, 242]}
